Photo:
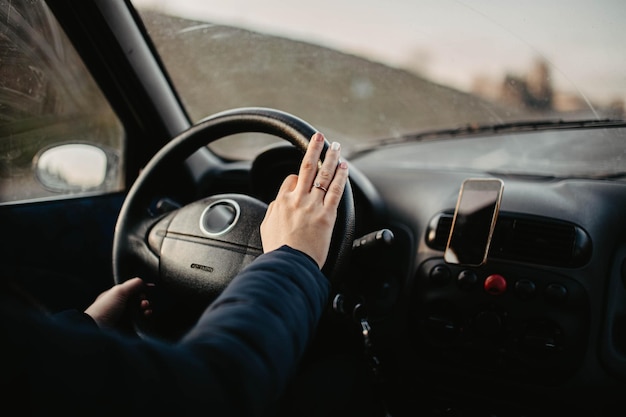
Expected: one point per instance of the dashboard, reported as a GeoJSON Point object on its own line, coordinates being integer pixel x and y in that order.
{"type": "Point", "coordinates": [553, 320]}
{"type": "Point", "coordinates": [542, 320]}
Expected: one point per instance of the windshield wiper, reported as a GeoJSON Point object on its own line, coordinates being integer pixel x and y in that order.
{"type": "Point", "coordinates": [476, 130]}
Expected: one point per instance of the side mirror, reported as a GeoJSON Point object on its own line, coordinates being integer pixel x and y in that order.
{"type": "Point", "coordinates": [76, 167]}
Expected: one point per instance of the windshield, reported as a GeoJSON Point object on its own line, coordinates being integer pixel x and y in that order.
{"type": "Point", "coordinates": [362, 71]}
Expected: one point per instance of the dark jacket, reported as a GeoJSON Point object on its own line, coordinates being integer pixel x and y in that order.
{"type": "Point", "coordinates": [236, 361]}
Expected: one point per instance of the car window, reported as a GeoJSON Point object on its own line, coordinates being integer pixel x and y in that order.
{"type": "Point", "coordinates": [364, 71]}
{"type": "Point", "coordinates": [58, 135]}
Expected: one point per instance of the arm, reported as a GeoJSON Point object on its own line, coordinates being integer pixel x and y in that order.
{"type": "Point", "coordinates": [259, 327]}
{"type": "Point", "coordinates": [236, 360]}
{"type": "Point", "coordinates": [261, 324]}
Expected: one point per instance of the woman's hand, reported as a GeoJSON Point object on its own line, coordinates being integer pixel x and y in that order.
{"type": "Point", "coordinates": [109, 308]}
{"type": "Point", "coordinates": [304, 212]}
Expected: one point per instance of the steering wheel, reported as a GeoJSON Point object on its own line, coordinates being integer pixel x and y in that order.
{"type": "Point", "coordinates": [192, 253]}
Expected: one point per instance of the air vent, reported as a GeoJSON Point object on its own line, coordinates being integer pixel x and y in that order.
{"type": "Point", "coordinates": [521, 238]}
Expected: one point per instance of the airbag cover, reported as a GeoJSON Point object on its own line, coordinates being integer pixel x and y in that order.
{"type": "Point", "coordinates": [209, 241]}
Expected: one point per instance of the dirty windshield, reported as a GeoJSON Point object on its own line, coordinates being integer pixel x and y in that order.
{"type": "Point", "coordinates": [363, 71]}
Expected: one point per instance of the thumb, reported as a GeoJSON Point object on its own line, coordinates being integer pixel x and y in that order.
{"type": "Point", "coordinates": [130, 287]}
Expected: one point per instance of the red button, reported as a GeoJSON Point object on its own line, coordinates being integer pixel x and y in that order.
{"type": "Point", "coordinates": [495, 284]}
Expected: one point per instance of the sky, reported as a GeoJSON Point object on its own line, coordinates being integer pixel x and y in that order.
{"type": "Point", "coordinates": [450, 41]}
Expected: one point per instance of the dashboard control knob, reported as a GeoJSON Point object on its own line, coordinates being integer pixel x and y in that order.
{"type": "Point", "coordinates": [495, 284]}
{"type": "Point", "coordinates": [440, 275]}
{"type": "Point", "coordinates": [525, 289]}
{"type": "Point", "coordinates": [467, 279]}
{"type": "Point", "coordinates": [556, 293]}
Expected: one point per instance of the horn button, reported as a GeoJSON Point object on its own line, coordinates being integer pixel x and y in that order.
{"type": "Point", "coordinates": [219, 217]}
{"type": "Point", "coordinates": [203, 245]}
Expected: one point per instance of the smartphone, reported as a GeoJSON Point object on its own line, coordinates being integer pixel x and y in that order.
{"type": "Point", "coordinates": [474, 220]}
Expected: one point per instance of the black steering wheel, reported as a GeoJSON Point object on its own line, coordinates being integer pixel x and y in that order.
{"type": "Point", "coordinates": [193, 252]}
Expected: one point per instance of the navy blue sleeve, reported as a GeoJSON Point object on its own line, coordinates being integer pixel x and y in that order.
{"type": "Point", "coordinates": [75, 317]}
{"type": "Point", "coordinates": [236, 361]}
{"type": "Point", "coordinates": [261, 324]}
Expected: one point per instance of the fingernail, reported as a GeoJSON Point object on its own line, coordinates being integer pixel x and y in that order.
{"type": "Point", "coordinates": [319, 136]}
{"type": "Point", "coordinates": [335, 146]}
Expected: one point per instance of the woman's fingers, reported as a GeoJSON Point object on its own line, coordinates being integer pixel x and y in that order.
{"type": "Point", "coordinates": [304, 212]}
{"type": "Point", "coordinates": [326, 173]}
{"type": "Point", "coordinates": [309, 165]}
{"type": "Point", "coordinates": [315, 178]}
{"type": "Point", "coordinates": [337, 185]}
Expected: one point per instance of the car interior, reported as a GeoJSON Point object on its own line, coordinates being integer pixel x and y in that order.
{"type": "Point", "coordinates": [477, 268]}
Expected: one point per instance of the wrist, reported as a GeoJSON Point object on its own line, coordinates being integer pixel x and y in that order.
{"type": "Point", "coordinates": [294, 250]}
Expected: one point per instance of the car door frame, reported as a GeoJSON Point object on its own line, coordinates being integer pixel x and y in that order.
{"type": "Point", "coordinates": [60, 249]}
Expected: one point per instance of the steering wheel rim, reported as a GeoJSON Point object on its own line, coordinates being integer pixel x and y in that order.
{"type": "Point", "coordinates": [135, 240]}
